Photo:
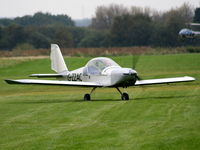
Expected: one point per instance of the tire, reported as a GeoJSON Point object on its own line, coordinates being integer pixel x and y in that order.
{"type": "Point", "coordinates": [87, 97]}
{"type": "Point", "coordinates": [125, 96]}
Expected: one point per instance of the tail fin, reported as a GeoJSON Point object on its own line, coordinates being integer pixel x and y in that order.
{"type": "Point", "coordinates": [57, 61]}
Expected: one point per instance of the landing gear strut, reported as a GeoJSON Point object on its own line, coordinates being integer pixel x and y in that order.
{"type": "Point", "coordinates": [124, 96]}
{"type": "Point", "coordinates": [87, 96]}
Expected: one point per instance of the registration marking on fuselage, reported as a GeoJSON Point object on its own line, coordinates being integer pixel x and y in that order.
{"type": "Point", "coordinates": [74, 77]}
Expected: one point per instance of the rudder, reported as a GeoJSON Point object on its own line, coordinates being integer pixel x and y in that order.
{"type": "Point", "coordinates": [57, 60]}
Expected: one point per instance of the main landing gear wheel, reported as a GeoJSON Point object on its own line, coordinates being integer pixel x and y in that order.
{"type": "Point", "coordinates": [87, 97]}
{"type": "Point", "coordinates": [125, 96]}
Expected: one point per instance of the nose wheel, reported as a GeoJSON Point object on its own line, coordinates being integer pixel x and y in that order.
{"type": "Point", "coordinates": [124, 96]}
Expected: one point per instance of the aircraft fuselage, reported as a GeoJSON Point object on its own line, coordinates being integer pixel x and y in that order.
{"type": "Point", "coordinates": [108, 77]}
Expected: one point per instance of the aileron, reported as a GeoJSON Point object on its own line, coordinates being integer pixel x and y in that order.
{"type": "Point", "coordinates": [164, 80]}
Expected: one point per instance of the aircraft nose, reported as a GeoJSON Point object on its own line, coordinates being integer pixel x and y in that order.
{"type": "Point", "coordinates": [129, 72]}
{"type": "Point", "coordinates": [124, 77]}
{"type": "Point", "coordinates": [124, 72]}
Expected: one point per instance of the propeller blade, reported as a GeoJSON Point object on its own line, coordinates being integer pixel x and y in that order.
{"type": "Point", "coordinates": [135, 59]}
{"type": "Point", "coordinates": [138, 77]}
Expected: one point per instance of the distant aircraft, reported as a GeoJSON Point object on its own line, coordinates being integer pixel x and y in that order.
{"type": "Point", "coordinates": [98, 72]}
{"type": "Point", "coordinates": [188, 33]}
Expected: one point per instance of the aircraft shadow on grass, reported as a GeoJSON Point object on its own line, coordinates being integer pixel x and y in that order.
{"type": "Point", "coordinates": [100, 100]}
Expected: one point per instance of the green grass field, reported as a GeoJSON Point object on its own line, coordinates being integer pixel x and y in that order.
{"type": "Point", "coordinates": [165, 117]}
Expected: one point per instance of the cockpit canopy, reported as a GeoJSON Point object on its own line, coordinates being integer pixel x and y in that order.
{"type": "Point", "coordinates": [97, 65]}
{"type": "Point", "coordinates": [185, 32]}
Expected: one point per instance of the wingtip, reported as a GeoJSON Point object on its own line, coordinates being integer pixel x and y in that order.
{"type": "Point", "coordinates": [190, 78]}
{"type": "Point", "coordinates": [9, 81]}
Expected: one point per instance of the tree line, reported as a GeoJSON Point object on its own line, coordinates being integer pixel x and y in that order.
{"type": "Point", "coordinates": [112, 26]}
{"type": "Point", "coordinates": [138, 26]}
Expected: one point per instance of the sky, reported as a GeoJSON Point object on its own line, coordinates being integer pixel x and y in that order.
{"type": "Point", "coordinates": [78, 9]}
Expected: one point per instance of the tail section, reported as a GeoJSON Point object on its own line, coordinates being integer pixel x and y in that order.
{"type": "Point", "coordinates": [57, 60]}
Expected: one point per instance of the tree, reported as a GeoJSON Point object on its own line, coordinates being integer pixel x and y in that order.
{"type": "Point", "coordinates": [39, 40]}
{"type": "Point", "coordinates": [129, 30]}
{"type": "Point", "coordinates": [39, 19]}
{"type": "Point", "coordinates": [6, 22]}
{"type": "Point", "coordinates": [78, 33]}
{"type": "Point", "coordinates": [168, 24]}
{"type": "Point", "coordinates": [186, 12]}
{"type": "Point", "coordinates": [95, 39]}
{"type": "Point", "coordinates": [197, 15]}
{"type": "Point", "coordinates": [63, 37]}
{"type": "Point", "coordinates": [13, 35]}
{"type": "Point", "coordinates": [173, 21]}
{"type": "Point", "coordinates": [105, 15]}
{"type": "Point", "coordinates": [4, 44]}
{"type": "Point", "coordinates": [57, 34]}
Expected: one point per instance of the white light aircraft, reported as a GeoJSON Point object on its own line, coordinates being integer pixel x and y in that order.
{"type": "Point", "coordinates": [98, 72]}
{"type": "Point", "coordinates": [188, 33]}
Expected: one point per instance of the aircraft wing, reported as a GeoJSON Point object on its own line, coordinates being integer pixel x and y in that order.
{"type": "Point", "coordinates": [54, 82]}
{"type": "Point", "coordinates": [164, 80]}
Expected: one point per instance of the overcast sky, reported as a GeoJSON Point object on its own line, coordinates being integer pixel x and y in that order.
{"type": "Point", "coordinates": [78, 9]}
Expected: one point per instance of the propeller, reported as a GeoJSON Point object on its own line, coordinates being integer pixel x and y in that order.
{"type": "Point", "coordinates": [135, 59]}
{"type": "Point", "coordinates": [138, 77]}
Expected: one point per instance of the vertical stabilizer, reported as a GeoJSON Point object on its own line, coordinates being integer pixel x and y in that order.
{"type": "Point", "coordinates": [57, 61]}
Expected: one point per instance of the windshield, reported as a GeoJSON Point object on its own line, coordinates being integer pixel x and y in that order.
{"type": "Point", "coordinates": [97, 65]}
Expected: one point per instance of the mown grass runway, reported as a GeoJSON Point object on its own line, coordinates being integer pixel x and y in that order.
{"type": "Point", "coordinates": [53, 117]}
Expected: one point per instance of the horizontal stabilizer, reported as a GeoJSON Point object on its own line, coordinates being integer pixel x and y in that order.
{"type": "Point", "coordinates": [165, 80]}
{"type": "Point", "coordinates": [54, 82]}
